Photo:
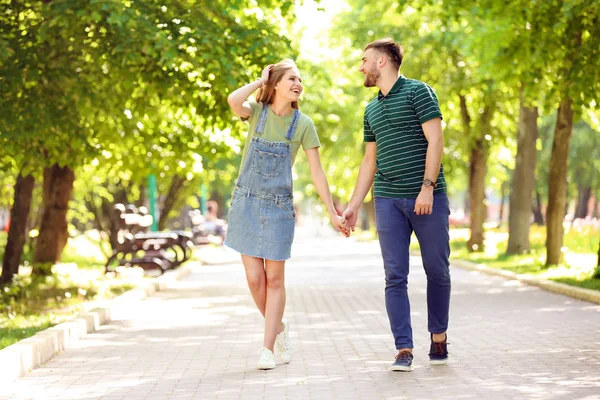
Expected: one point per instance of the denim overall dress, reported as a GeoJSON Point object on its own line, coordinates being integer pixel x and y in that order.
{"type": "Point", "coordinates": [261, 214]}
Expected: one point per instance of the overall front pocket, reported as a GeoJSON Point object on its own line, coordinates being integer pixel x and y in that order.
{"type": "Point", "coordinates": [267, 164]}
{"type": "Point", "coordinates": [288, 207]}
{"type": "Point", "coordinates": [236, 198]}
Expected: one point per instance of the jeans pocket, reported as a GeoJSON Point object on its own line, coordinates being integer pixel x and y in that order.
{"type": "Point", "coordinates": [441, 200]}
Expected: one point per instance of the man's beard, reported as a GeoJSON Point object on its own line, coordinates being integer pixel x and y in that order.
{"type": "Point", "coordinates": [372, 77]}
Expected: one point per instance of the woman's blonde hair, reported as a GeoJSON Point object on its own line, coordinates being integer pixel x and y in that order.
{"type": "Point", "coordinates": [266, 94]}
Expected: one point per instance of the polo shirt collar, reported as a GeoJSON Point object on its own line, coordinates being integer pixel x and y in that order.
{"type": "Point", "coordinates": [395, 89]}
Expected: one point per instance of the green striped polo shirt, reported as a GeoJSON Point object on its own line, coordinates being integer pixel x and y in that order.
{"type": "Point", "coordinates": [394, 122]}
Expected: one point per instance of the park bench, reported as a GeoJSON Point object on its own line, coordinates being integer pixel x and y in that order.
{"type": "Point", "coordinates": [149, 250]}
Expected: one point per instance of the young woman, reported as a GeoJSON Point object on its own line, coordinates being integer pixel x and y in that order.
{"type": "Point", "coordinates": [261, 214]}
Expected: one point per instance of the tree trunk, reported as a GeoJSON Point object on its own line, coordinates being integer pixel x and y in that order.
{"type": "Point", "coordinates": [584, 193]}
{"type": "Point", "coordinates": [596, 203]}
{"type": "Point", "coordinates": [105, 218]}
{"type": "Point", "coordinates": [538, 216]}
{"type": "Point", "coordinates": [597, 273]}
{"type": "Point", "coordinates": [177, 184]}
{"type": "Point", "coordinates": [557, 183]}
{"type": "Point", "coordinates": [142, 200]}
{"type": "Point", "coordinates": [34, 221]}
{"type": "Point", "coordinates": [523, 181]}
{"type": "Point", "coordinates": [58, 188]}
{"type": "Point", "coordinates": [477, 172]}
{"type": "Point", "coordinates": [502, 201]}
{"type": "Point", "coordinates": [17, 232]}
{"type": "Point", "coordinates": [567, 200]}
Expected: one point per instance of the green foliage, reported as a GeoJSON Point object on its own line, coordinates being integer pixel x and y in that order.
{"type": "Point", "coordinates": [584, 167]}
{"type": "Point", "coordinates": [486, 51]}
{"type": "Point", "coordinates": [123, 89]}
{"type": "Point", "coordinates": [581, 246]}
{"type": "Point", "coordinates": [7, 182]}
{"type": "Point", "coordinates": [30, 305]}
{"type": "Point", "coordinates": [138, 81]}
{"type": "Point", "coordinates": [27, 250]}
{"type": "Point", "coordinates": [585, 155]}
{"type": "Point", "coordinates": [445, 53]}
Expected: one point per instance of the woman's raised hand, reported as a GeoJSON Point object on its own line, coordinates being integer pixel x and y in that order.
{"type": "Point", "coordinates": [265, 74]}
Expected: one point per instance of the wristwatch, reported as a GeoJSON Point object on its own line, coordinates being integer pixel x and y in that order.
{"type": "Point", "coordinates": [429, 182]}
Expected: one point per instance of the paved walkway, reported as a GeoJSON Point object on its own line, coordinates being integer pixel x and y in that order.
{"type": "Point", "coordinates": [200, 339]}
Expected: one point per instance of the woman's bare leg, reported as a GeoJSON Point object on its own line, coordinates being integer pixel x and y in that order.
{"type": "Point", "coordinates": [275, 303]}
{"type": "Point", "coordinates": [257, 280]}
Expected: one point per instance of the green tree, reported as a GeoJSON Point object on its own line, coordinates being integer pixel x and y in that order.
{"type": "Point", "coordinates": [447, 53]}
{"type": "Point", "coordinates": [584, 165]}
{"type": "Point", "coordinates": [573, 48]}
{"type": "Point", "coordinates": [91, 73]}
{"type": "Point", "coordinates": [504, 41]}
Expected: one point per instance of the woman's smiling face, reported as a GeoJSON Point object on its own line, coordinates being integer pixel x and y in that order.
{"type": "Point", "coordinates": [290, 87]}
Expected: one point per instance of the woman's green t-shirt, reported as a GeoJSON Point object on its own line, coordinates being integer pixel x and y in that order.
{"type": "Point", "coordinates": [276, 127]}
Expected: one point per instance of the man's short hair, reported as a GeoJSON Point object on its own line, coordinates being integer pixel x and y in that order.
{"type": "Point", "coordinates": [390, 48]}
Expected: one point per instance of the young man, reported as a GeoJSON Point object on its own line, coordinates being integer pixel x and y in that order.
{"type": "Point", "coordinates": [404, 145]}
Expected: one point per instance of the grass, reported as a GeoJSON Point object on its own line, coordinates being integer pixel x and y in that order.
{"type": "Point", "coordinates": [580, 255]}
{"type": "Point", "coordinates": [32, 304]}
{"type": "Point", "coordinates": [23, 327]}
{"type": "Point", "coordinates": [43, 309]}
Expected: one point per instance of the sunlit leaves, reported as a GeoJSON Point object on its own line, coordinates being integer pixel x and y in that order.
{"type": "Point", "coordinates": [135, 85]}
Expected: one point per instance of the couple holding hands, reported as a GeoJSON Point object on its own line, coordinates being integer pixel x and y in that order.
{"type": "Point", "coordinates": [403, 152]}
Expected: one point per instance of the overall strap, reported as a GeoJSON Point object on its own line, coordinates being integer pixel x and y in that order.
{"type": "Point", "coordinates": [293, 125]}
{"type": "Point", "coordinates": [260, 126]}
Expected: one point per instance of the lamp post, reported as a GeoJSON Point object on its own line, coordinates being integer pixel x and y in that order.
{"type": "Point", "coordinates": [152, 201]}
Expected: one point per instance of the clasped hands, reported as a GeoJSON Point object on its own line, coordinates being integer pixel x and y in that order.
{"type": "Point", "coordinates": [346, 221]}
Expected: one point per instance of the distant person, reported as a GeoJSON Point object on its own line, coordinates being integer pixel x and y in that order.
{"type": "Point", "coordinates": [213, 224]}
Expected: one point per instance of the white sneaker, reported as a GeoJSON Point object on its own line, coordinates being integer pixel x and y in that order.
{"type": "Point", "coordinates": [283, 347]}
{"type": "Point", "coordinates": [266, 360]}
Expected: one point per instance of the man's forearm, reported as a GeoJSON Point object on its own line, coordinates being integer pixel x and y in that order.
{"type": "Point", "coordinates": [435, 148]}
{"type": "Point", "coordinates": [366, 175]}
{"type": "Point", "coordinates": [433, 161]}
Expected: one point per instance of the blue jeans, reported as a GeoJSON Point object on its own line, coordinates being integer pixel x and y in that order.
{"type": "Point", "coordinates": [396, 220]}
